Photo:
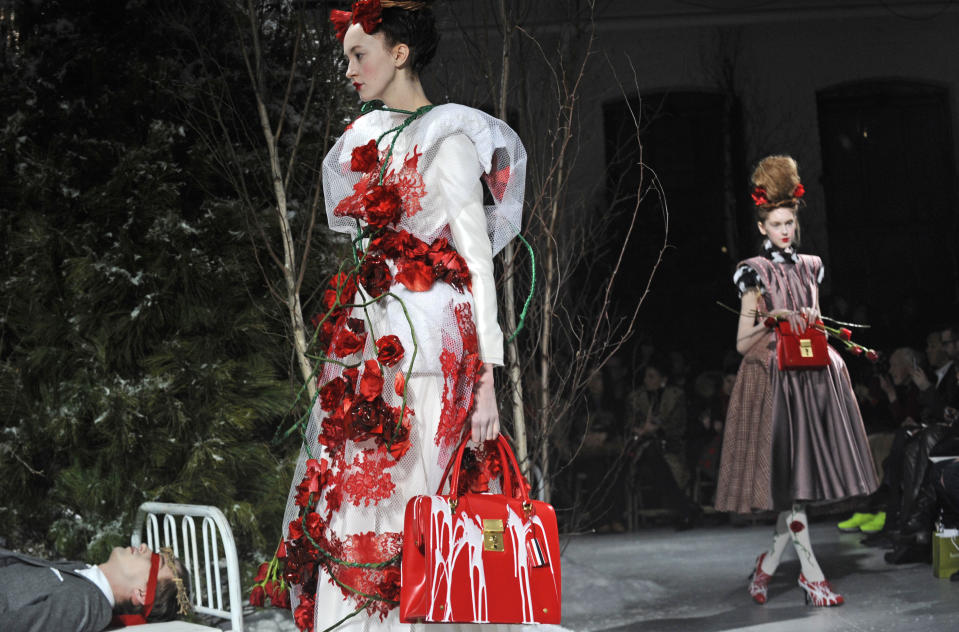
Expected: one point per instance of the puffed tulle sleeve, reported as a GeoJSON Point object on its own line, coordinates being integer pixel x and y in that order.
{"type": "Point", "coordinates": [456, 174]}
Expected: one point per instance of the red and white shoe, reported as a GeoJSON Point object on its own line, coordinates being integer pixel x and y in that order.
{"type": "Point", "coordinates": [759, 581]}
{"type": "Point", "coordinates": [819, 594]}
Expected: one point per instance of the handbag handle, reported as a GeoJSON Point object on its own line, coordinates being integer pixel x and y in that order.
{"type": "Point", "coordinates": [508, 460]}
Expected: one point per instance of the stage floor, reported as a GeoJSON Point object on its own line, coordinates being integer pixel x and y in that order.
{"type": "Point", "coordinates": [658, 580]}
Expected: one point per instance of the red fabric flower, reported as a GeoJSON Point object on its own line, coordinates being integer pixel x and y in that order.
{"type": "Point", "coordinates": [365, 157]}
{"type": "Point", "coordinates": [367, 13]}
{"type": "Point", "coordinates": [770, 322]}
{"type": "Point", "coordinates": [316, 475]}
{"type": "Point", "coordinates": [261, 572]}
{"type": "Point", "coordinates": [397, 437]}
{"type": "Point", "coordinates": [314, 525]}
{"type": "Point", "coordinates": [795, 526]}
{"type": "Point", "coordinates": [367, 419]}
{"type": "Point", "coordinates": [303, 615]}
{"type": "Point", "coordinates": [296, 528]}
{"type": "Point", "coordinates": [347, 342]}
{"type": "Point", "coordinates": [399, 383]}
{"type": "Point", "coordinates": [375, 275]}
{"type": "Point", "coordinates": [395, 244]}
{"type": "Point", "coordinates": [383, 206]}
{"type": "Point", "coordinates": [371, 384]}
{"type": "Point", "coordinates": [415, 275]}
{"type": "Point", "coordinates": [345, 285]}
{"type": "Point", "coordinates": [856, 350]}
{"type": "Point", "coordinates": [872, 356]}
{"type": "Point", "coordinates": [759, 196]}
{"type": "Point", "coordinates": [799, 191]}
{"type": "Point", "coordinates": [341, 22]}
{"type": "Point", "coordinates": [280, 596]}
{"type": "Point", "coordinates": [845, 334]}
{"type": "Point", "coordinates": [391, 350]}
{"type": "Point", "coordinates": [332, 393]}
{"type": "Point", "coordinates": [257, 595]}
{"type": "Point", "coordinates": [352, 376]}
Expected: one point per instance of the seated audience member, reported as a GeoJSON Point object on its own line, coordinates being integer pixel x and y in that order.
{"type": "Point", "coordinates": [704, 432]}
{"type": "Point", "coordinates": [134, 585]}
{"type": "Point", "coordinates": [903, 411]}
{"type": "Point", "coordinates": [656, 449]}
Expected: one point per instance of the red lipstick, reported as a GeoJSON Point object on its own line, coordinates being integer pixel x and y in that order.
{"type": "Point", "coordinates": [357, 86]}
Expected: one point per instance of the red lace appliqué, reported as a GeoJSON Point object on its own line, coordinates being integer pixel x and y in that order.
{"type": "Point", "coordinates": [367, 480]}
{"type": "Point", "coordinates": [459, 376]}
{"type": "Point", "coordinates": [368, 548]}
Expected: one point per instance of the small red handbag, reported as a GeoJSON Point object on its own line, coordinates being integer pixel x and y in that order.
{"type": "Point", "coordinates": [808, 350]}
{"type": "Point", "coordinates": [481, 558]}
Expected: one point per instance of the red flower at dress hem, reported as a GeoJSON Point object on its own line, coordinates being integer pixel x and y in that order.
{"type": "Point", "coordinates": [796, 526]}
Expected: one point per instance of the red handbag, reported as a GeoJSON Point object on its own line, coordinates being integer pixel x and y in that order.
{"type": "Point", "coordinates": [481, 558]}
{"type": "Point", "coordinates": [808, 350]}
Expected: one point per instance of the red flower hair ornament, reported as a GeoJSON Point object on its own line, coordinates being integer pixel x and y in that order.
{"type": "Point", "coordinates": [368, 13]}
{"type": "Point", "coordinates": [759, 196]}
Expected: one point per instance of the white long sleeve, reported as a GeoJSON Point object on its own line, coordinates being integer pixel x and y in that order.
{"type": "Point", "coordinates": [457, 171]}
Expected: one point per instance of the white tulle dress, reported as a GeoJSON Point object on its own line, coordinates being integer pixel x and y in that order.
{"type": "Point", "coordinates": [415, 317]}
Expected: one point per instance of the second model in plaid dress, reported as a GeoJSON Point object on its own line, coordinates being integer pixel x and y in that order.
{"type": "Point", "coordinates": [790, 436]}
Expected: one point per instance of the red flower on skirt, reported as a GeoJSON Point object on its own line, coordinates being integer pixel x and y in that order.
{"type": "Point", "coordinates": [375, 275]}
{"type": "Point", "coordinates": [795, 526]}
{"type": "Point", "coordinates": [391, 350]}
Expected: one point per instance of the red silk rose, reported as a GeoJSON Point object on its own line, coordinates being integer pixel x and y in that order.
{"type": "Point", "coordinates": [383, 206]}
{"type": "Point", "coordinates": [256, 596]}
{"type": "Point", "coordinates": [261, 572]}
{"type": "Point", "coordinates": [332, 393]}
{"type": "Point", "coordinates": [371, 384]}
{"type": "Point", "coordinates": [799, 191]}
{"type": "Point", "coordinates": [303, 615]}
{"type": "Point", "coordinates": [856, 350]}
{"type": "Point", "coordinates": [399, 383]}
{"type": "Point", "coordinates": [365, 157]}
{"type": "Point", "coordinates": [280, 596]}
{"type": "Point", "coordinates": [759, 196]}
{"type": "Point", "coordinates": [391, 350]}
{"type": "Point", "coordinates": [368, 418]}
{"type": "Point", "coordinates": [770, 322]}
{"type": "Point", "coordinates": [415, 275]}
{"type": "Point", "coordinates": [345, 342]}
{"type": "Point", "coordinates": [375, 275]}
{"type": "Point", "coordinates": [845, 334]}
{"type": "Point", "coordinates": [314, 525]}
{"type": "Point", "coordinates": [795, 526]}
{"type": "Point", "coordinates": [872, 356]}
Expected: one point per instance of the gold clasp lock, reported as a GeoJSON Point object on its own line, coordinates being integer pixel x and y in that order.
{"type": "Point", "coordinates": [493, 535]}
{"type": "Point", "coordinates": [805, 347]}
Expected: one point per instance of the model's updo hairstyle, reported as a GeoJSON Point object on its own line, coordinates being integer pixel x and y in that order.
{"type": "Point", "coordinates": [411, 22]}
{"type": "Point", "coordinates": [777, 183]}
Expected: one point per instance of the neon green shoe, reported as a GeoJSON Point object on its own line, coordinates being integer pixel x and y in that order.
{"type": "Point", "coordinates": [875, 525]}
{"type": "Point", "coordinates": [858, 519]}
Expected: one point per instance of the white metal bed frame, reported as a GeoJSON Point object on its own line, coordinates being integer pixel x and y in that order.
{"type": "Point", "coordinates": [204, 574]}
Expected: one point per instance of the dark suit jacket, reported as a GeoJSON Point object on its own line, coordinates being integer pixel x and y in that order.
{"type": "Point", "coordinates": [34, 599]}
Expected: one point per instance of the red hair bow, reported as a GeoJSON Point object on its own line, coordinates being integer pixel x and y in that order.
{"type": "Point", "coordinates": [367, 13]}
{"type": "Point", "coordinates": [799, 191]}
{"type": "Point", "coordinates": [759, 196]}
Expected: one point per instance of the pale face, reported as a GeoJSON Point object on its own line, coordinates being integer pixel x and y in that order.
{"type": "Point", "coordinates": [371, 66]}
{"type": "Point", "coordinates": [780, 227]}
{"type": "Point", "coordinates": [653, 380]}
{"type": "Point", "coordinates": [131, 574]}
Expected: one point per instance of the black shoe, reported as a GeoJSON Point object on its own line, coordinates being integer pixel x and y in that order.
{"type": "Point", "coordinates": [691, 517]}
{"type": "Point", "coordinates": [885, 539]}
{"type": "Point", "coordinates": [910, 554]}
{"type": "Point", "coordinates": [955, 577]}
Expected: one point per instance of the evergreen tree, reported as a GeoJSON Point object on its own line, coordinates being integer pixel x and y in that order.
{"type": "Point", "coordinates": [142, 355]}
